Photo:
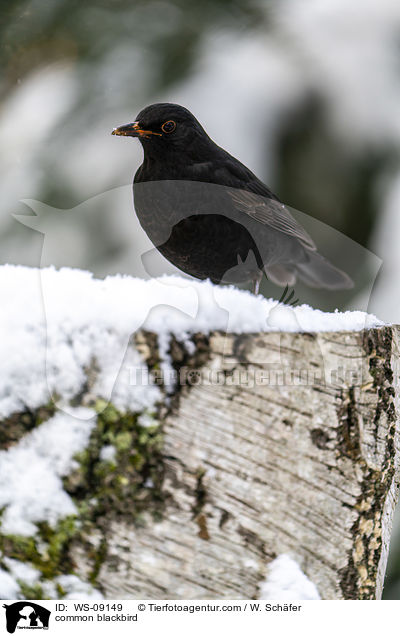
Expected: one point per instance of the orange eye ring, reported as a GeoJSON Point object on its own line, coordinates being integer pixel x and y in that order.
{"type": "Point", "coordinates": [169, 126]}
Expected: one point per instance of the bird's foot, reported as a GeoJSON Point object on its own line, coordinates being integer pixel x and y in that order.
{"type": "Point", "coordinates": [287, 298]}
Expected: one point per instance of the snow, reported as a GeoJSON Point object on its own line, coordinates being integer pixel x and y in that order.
{"type": "Point", "coordinates": [22, 571]}
{"type": "Point", "coordinates": [59, 323]}
{"type": "Point", "coordinates": [9, 588]}
{"type": "Point", "coordinates": [107, 453]}
{"type": "Point", "coordinates": [31, 488]}
{"type": "Point", "coordinates": [285, 582]}
{"type": "Point", "coordinates": [77, 589]}
{"type": "Point", "coordinates": [147, 420]}
{"type": "Point", "coordinates": [73, 586]}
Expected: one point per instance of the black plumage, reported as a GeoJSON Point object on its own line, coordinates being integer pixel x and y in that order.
{"type": "Point", "coordinates": [209, 215]}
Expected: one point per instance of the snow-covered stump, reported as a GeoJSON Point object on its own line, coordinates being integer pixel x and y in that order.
{"type": "Point", "coordinates": [236, 448]}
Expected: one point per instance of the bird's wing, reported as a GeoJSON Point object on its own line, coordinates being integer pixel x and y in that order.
{"type": "Point", "coordinates": [271, 212]}
{"type": "Point", "coordinates": [252, 196]}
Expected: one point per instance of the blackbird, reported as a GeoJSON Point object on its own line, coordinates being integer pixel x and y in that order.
{"type": "Point", "coordinates": [210, 216]}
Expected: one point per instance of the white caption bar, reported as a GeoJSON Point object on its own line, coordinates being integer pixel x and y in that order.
{"type": "Point", "coordinates": [174, 617]}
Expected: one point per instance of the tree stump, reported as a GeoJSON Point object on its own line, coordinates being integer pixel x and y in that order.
{"type": "Point", "coordinates": [273, 443]}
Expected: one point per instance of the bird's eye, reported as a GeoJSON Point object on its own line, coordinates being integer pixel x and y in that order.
{"type": "Point", "coordinates": [169, 126]}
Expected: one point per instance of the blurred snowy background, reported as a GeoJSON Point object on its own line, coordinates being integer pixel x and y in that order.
{"type": "Point", "coordinates": [306, 94]}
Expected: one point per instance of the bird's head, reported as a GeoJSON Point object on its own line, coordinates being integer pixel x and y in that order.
{"type": "Point", "coordinates": [164, 128]}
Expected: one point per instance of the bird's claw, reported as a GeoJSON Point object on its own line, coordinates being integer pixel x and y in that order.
{"type": "Point", "coordinates": [287, 298]}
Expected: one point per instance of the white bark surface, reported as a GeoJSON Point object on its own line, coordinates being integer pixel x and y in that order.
{"type": "Point", "coordinates": [307, 467]}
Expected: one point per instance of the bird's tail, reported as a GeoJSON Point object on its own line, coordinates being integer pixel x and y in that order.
{"type": "Point", "coordinates": [320, 273]}
{"type": "Point", "coordinates": [316, 272]}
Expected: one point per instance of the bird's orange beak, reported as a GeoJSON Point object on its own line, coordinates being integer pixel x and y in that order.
{"type": "Point", "coordinates": [133, 130]}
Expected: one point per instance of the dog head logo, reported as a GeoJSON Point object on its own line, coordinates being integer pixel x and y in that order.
{"type": "Point", "coordinates": [25, 614]}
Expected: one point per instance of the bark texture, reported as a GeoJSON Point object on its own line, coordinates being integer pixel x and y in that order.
{"type": "Point", "coordinates": [272, 443]}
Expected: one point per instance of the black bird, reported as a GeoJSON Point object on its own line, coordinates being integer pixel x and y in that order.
{"type": "Point", "coordinates": [210, 216]}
